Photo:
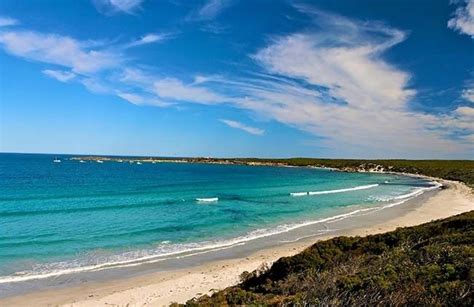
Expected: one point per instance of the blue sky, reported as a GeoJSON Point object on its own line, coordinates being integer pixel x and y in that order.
{"type": "Point", "coordinates": [354, 79]}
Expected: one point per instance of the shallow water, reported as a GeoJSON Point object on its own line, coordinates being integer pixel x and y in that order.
{"type": "Point", "coordinates": [69, 217]}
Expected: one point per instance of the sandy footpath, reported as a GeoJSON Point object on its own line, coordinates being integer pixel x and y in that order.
{"type": "Point", "coordinates": [161, 288]}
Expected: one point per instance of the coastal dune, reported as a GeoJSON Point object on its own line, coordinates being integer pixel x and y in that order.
{"type": "Point", "coordinates": [162, 288]}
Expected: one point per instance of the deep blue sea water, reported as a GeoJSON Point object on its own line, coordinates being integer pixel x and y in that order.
{"type": "Point", "coordinates": [65, 217]}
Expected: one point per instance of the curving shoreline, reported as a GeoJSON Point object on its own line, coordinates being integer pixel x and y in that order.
{"type": "Point", "coordinates": [74, 271]}
{"type": "Point", "coordinates": [179, 285]}
{"type": "Point", "coordinates": [257, 239]}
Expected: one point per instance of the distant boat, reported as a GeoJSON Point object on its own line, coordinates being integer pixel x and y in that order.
{"type": "Point", "coordinates": [139, 162]}
{"type": "Point", "coordinates": [100, 161]}
{"type": "Point", "coordinates": [120, 161]}
{"type": "Point", "coordinates": [82, 161]}
{"type": "Point", "coordinates": [56, 160]}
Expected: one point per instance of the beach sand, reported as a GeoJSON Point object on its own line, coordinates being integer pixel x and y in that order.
{"type": "Point", "coordinates": [162, 288]}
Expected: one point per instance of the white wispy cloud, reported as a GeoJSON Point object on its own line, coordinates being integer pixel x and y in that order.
{"type": "Point", "coordinates": [96, 85]}
{"type": "Point", "coordinates": [60, 75]}
{"type": "Point", "coordinates": [174, 89]}
{"type": "Point", "coordinates": [109, 7]}
{"type": "Point", "coordinates": [92, 64]}
{"type": "Point", "coordinates": [463, 18]}
{"type": "Point", "coordinates": [7, 21]}
{"type": "Point", "coordinates": [210, 10]}
{"type": "Point", "coordinates": [344, 59]}
{"type": "Point", "coordinates": [59, 50]}
{"type": "Point", "coordinates": [358, 100]}
{"type": "Point", "coordinates": [468, 94]}
{"type": "Point", "coordinates": [243, 127]}
{"type": "Point", "coordinates": [136, 76]}
{"type": "Point", "coordinates": [149, 39]}
{"type": "Point", "coordinates": [130, 97]}
{"type": "Point", "coordinates": [331, 80]}
{"type": "Point", "coordinates": [355, 99]}
{"type": "Point", "coordinates": [141, 100]}
{"type": "Point", "coordinates": [201, 79]}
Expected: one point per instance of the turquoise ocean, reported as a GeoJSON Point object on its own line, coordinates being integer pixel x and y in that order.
{"type": "Point", "coordinates": [69, 217]}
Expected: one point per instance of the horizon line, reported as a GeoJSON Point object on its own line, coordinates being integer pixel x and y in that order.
{"type": "Point", "coordinates": [223, 157]}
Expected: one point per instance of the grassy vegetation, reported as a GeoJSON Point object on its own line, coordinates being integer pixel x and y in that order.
{"type": "Point", "coordinates": [427, 265]}
{"type": "Point", "coordinates": [459, 170]}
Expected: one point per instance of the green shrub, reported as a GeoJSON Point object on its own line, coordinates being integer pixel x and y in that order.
{"type": "Point", "coordinates": [426, 265]}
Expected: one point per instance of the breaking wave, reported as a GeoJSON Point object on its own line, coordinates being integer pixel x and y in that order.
{"type": "Point", "coordinates": [362, 187]}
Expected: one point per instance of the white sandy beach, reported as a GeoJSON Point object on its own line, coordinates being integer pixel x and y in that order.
{"type": "Point", "coordinates": [162, 288]}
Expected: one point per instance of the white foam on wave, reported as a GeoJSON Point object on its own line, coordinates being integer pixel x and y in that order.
{"type": "Point", "coordinates": [167, 251]}
{"type": "Point", "coordinates": [160, 254]}
{"type": "Point", "coordinates": [65, 268]}
{"type": "Point", "coordinates": [207, 200]}
{"type": "Point", "coordinates": [362, 187]}
{"type": "Point", "coordinates": [414, 193]}
{"type": "Point", "coordinates": [299, 193]}
{"type": "Point", "coordinates": [409, 196]}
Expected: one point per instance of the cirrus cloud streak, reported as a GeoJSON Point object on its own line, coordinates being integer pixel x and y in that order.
{"type": "Point", "coordinates": [243, 127]}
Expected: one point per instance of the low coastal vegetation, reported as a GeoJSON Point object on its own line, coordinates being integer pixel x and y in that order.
{"type": "Point", "coordinates": [427, 265]}
{"type": "Point", "coordinates": [458, 170]}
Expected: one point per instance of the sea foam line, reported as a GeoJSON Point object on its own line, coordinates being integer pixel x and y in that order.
{"type": "Point", "coordinates": [416, 192]}
{"type": "Point", "coordinates": [256, 234]}
{"type": "Point", "coordinates": [362, 187]}
{"type": "Point", "coordinates": [299, 193]}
